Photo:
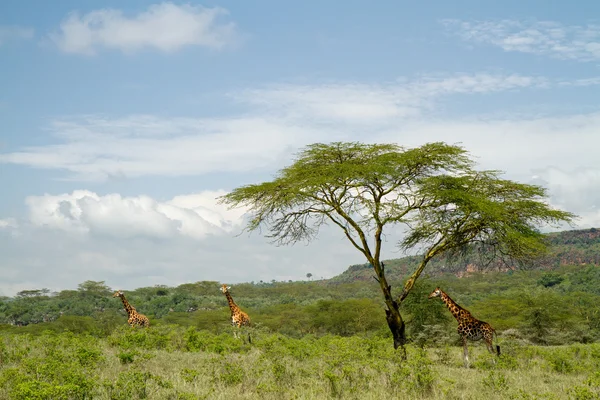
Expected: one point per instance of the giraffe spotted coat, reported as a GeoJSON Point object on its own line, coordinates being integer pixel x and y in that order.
{"type": "Point", "coordinates": [469, 327]}
{"type": "Point", "coordinates": [134, 317]}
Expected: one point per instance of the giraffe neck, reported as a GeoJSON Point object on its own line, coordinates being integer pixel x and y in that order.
{"type": "Point", "coordinates": [232, 306]}
{"type": "Point", "coordinates": [453, 307]}
{"type": "Point", "coordinates": [128, 307]}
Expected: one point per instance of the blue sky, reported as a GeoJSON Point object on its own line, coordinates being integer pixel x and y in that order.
{"type": "Point", "coordinates": [111, 111]}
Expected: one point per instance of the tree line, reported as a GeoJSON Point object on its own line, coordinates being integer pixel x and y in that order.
{"type": "Point", "coordinates": [543, 307]}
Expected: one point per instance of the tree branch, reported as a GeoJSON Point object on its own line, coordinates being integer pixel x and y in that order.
{"type": "Point", "coordinates": [348, 235]}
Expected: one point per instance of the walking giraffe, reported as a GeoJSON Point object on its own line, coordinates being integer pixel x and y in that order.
{"type": "Point", "coordinates": [469, 327]}
{"type": "Point", "coordinates": [135, 318]}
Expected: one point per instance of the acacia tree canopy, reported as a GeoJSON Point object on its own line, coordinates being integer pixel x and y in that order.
{"type": "Point", "coordinates": [432, 190]}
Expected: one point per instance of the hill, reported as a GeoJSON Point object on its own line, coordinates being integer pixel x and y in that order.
{"type": "Point", "coordinates": [575, 247]}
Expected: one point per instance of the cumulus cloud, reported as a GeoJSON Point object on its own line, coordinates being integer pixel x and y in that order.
{"type": "Point", "coordinates": [194, 216]}
{"type": "Point", "coordinates": [166, 27]}
{"type": "Point", "coordinates": [8, 33]}
{"type": "Point", "coordinates": [49, 253]}
{"type": "Point", "coordinates": [548, 38]}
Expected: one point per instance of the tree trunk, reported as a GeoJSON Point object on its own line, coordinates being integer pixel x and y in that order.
{"type": "Point", "coordinates": [396, 325]}
{"type": "Point", "coordinates": [392, 313]}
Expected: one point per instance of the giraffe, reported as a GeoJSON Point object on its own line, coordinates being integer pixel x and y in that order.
{"type": "Point", "coordinates": [238, 317]}
{"type": "Point", "coordinates": [469, 327]}
{"type": "Point", "coordinates": [135, 318]}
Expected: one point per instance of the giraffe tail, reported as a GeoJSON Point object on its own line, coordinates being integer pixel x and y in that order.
{"type": "Point", "coordinates": [497, 345]}
{"type": "Point", "coordinates": [248, 324]}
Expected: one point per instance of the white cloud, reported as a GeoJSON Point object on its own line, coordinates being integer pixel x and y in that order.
{"type": "Point", "coordinates": [195, 216]}
{"type": "Point", "coordinates": [517, 145]}
{"type": "Point", "coordinates": [8, 33]}
{"type": "Point", "coordinates": [8, 223]}
{"type": "Point", "coordinates": [559, 150]}
{"type": "Point", "coordinates": [567, 42]}
{"type": "Point", "coordinates": [582, 82]}
{"type": "Point", "coordinates": [285, 117]}
{"type": "Point", "coordinates": [94, 148]}
{"type": "Point", "coordinates": [60, 256]}
{"type": "Point", "coordinates": [167, 27]}
{"type": "Point", "coordinates": [362, 103]}
{"type": "Point", "coordinates": [574, 189]}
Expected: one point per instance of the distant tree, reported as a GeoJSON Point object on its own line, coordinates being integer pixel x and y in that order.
{"type": "Point", "coordinates": [97, 288]}
{"type": "Point", "coordinates": [94, 296]}
{"type": "Point", "coordinates": [309, 275]}
{"type": "Point", "coordinates": [33, 293]}
{"type": "Point", "coordinates": [433, 191]}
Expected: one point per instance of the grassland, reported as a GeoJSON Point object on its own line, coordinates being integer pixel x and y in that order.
{"type": "Point", "coordinates": [173, 362]}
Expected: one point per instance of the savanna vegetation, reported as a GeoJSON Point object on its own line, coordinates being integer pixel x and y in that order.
{"type": "Point", "coordinates": [312, 339]}
{"type": "Point", "coordinates": [173, 362]}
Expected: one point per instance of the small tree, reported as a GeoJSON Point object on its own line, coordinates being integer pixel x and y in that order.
{"type": "Point", "coordinates": [309, 275]}
{"type": "Point", "coordinates": [432, 190]}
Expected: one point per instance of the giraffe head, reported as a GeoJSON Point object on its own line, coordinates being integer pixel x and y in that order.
{"type": "Point", "coordinates": [118, 293]}
{"type": "Point", "coordinates": [225, 288]}
{"type": "Point", "coordinates": [436, 293]}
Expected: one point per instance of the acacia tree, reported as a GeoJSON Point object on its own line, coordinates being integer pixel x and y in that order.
{"type": "Point", "coordinates": [433, 191]}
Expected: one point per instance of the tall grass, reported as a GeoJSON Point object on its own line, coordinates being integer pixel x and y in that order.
{"type": "Point", "coordinates": [173, 362]}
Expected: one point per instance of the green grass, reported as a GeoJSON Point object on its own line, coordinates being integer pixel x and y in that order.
{"type": "Point", "coordinates": [173, 362]}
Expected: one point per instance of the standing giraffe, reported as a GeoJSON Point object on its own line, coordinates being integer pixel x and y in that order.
{"type": "Point", "coordinates": [238, 317]}
{"type": "Point", "coordinates": [135, 318]}
{"type": "Point", "coordinates": [469, 327]}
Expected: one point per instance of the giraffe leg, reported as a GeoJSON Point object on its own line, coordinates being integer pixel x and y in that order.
{"type": "Point", "coordinates": [465, 352]}
{"type": "Point", "coordinates": [490, 347]}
